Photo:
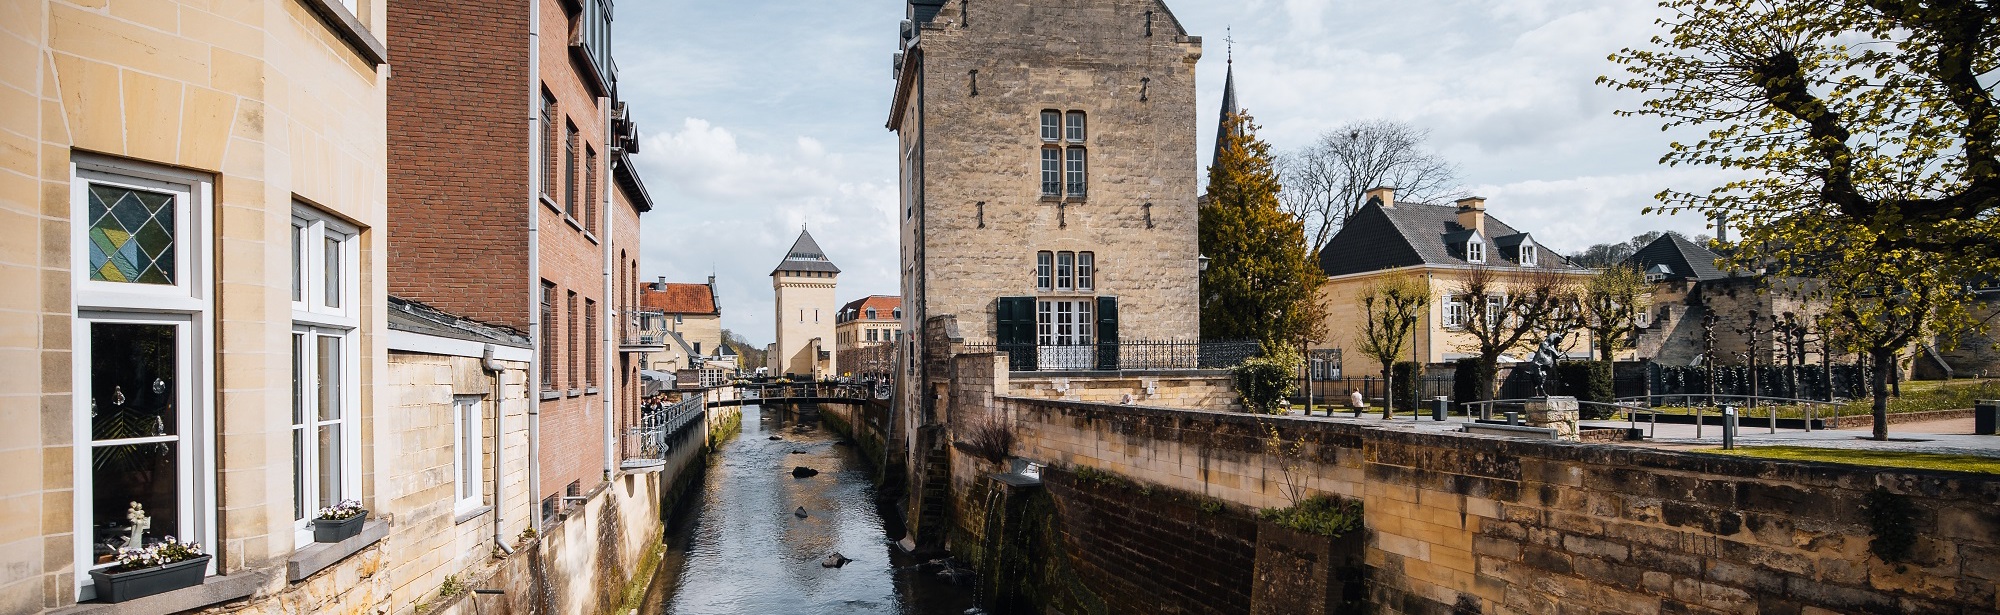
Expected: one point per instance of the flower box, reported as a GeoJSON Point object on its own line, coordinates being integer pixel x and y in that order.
{"type": "Point", "coordinates": [131, 584]}
{"type": "Point", "coordinates": [336, 530]}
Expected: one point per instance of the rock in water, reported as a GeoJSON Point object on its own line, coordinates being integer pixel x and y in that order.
{"type": "Point", "coordinates": [804, 472]}
{"type": "Point", "coordinates": [777, 437]}
{"type": "Point", "coordinates": [801, 512]}
{"type": "Point", "coordinates": [798, 452]}
{"type": "Point", "coordinates": [834, 561]}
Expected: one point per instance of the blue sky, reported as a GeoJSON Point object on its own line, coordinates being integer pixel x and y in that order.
{"type": "Point", "coordinates": [763, 115]}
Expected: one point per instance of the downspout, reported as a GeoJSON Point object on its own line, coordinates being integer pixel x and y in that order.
{"type": "Point", "coordinates": [499, 444]}
{"type": "Point", "coordinates": [534, 264]}
{"type": "Point", "coordinates": [606, 388]}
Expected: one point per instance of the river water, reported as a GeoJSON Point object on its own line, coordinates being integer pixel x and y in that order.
{"type": "Point", "coordinates": [743, 549]}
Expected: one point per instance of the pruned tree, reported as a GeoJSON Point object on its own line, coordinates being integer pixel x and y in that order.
{"type": "Point", "coordinates": [1612, 301]}
{"type": "Point", "coordinates": [1324, 181]}
{"type": "Point", "coordinates": [1261, 283]}
{"type": "Point", "coordinates": [1389, 312]}
{"type": "Point", "coordinates": [1879, 303]}
{"type": "Point", "coordinates": [1508, 311]}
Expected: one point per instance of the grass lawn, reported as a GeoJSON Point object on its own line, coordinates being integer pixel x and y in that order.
{"type": "Point", "coordinates": [1892, 459]}
{"type": "Point", "coordinates": [1917, 397]}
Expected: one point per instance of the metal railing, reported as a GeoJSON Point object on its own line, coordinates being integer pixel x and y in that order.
{"type": "Point", "coordinates": [1808, 410]}
{"type": "Point", "coordinates": [646, 443]}
{"type": "Point", "coordinates": [802, 390]}
{"type": "Point", "coordinates": [1123, 355]}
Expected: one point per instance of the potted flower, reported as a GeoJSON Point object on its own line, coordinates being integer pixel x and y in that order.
{"type": "Point", "coordinates": [144, 571]}
{"type": "Point", "coordinates": [339, 521]}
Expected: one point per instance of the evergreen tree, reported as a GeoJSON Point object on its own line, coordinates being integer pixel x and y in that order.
{"type": "Point", "coordinates": [1261, 282]}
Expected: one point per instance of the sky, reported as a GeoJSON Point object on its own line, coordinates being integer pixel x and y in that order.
{"type": "Point", "coordinates": [762, 116]}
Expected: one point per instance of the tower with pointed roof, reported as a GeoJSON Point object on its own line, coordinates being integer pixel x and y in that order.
{"type": "Point", "coordinates": [803, 283]}
{"type": "Point", "coordinates": [1223, 127]}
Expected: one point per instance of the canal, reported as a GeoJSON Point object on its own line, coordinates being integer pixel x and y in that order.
{"type": "Point", "coordinates": [739, 546]}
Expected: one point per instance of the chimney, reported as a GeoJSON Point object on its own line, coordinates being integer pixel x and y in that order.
{"type": "Point", "coordinates": [1472, 213]}
{"type": "Point", "coordinates": [662, 285]}
{"type": "Point", "coordinates": [1385, 193]}
{"type": "Point", "coordinates": [1721, 228]}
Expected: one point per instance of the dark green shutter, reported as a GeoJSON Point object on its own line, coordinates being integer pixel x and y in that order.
{"type": "Point", "coordinates": [1014, 334]}
{"type": "Point", "coordinates": [1107, 333]}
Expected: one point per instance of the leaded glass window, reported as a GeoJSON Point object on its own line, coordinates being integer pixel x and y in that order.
{"type": "Point", "coordinates": [131, 235]}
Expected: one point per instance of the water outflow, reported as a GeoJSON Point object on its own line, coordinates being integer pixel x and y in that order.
{"type": "Point", "coordinates": [747, 552]}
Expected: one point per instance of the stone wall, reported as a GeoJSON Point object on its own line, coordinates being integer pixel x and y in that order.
{"type": "Point", "coordinates": [1471, 524]}
{"type": "Point", "coordinates": [1200, 389]}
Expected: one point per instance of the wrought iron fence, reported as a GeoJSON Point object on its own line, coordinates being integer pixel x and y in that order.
{"type": "Point", "coordinates": [1124, 355]}
{"type": "Point", "coordinates": [647, 442]}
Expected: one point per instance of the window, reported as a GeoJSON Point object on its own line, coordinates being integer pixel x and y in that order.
{"type": "Point", "coordinates": [548, 145]}
{"type": "Point", "coordinates": [1045, 264]}
{"type": "Point", "coordinates": [324, 466]}
{"type": "Point", "coordinates": [871, 313]}
{"type": "Point", "coordinates": [1075, 183]}
{"type": "Point", "coordinates": [590, 342]}
{"type": "Point", "coordinates": [1051, 171]}
{"type": "Point", "coordinates": [570, 140]}
{"type": "Point", "coordinates": [1642, 318]}
{"type": "Point", "coordinates": [1495, 306]}
{"type": "Point", "coordinates": [1527, 254]}
{"type": "Point", "coordinates": [1454, 312]}
{"type": "Point", "coordinates": [1064, 328]}
{"type": "Point", "coordinates": [589, 190]}
{"type": "Point", "coordinates": [548, 335]}
{"type": "Point", "coordinates": [1073, 128]}
{"type": "Point", "coordinates": [1475, 250]}
{"type": "Point", "coordinates": [815, 315]}
{"type": "Point", "coordinates": [141, 271]}
{"type": "Point", "coordinates": [1086, 270]}
{"type": "Point", "coordinates": [570, 309]}
{"type": "Point", "coordinates": [871, 335]}
{"type": "Point", "coordinates": [677, 319]}
{"type": "Point", "coordinates": [896, 313]}
{"type": "Point", "coordinates": [1051, 126]}
{"type": "Point", "coordinates": [468, 452]}
{"type": "Point", "coordinates": [1065, 271]}
{"type": "Point", "coordinates": [323, 257]}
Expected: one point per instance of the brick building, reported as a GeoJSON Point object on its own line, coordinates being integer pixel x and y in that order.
{"type": "Point", "coordinates": [529, 226]}
{"type": "Point", "coordinates": [1048, 174]}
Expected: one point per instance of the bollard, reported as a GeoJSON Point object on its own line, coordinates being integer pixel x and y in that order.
{"type": "Point", "coordinates": [1442, 408]}
{"type": "Point", "coordinates": [1728, 427]}
{"type": "Point", "coordinates": [1986, 417]}
{"type": "Point", "coordinates": [1513, 417]}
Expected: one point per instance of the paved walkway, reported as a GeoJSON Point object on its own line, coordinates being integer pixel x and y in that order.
{"type": "Point", "coordinates": [1951, 437]}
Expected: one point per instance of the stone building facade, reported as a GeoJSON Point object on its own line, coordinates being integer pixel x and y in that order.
{"type": "Point", "coordinates": [691, 311]}
{"type": "Point", "coordinates": [804, 287]}
{"type": "Point", "coordinates": [1048, 172]}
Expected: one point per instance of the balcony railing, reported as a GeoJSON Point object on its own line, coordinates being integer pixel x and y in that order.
{"type": "Point", "coordinates": [1124, 355]}
{"type": "Point", "coordinates": [646, 443]}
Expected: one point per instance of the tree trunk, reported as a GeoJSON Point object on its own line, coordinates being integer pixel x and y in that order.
{"type": "Point", "coordinates": [1489, 372]}
{"type": "Point", "coordinates": [1880, 384]}
{"type": "Point", "coordinates": [1388, 390]}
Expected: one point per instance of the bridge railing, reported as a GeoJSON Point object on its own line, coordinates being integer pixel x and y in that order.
{"type": "Point", "coordinates": [802, 390]}
{"type": "Point", "coordinates": [647, 442]}
{"type": "Point", "coordinates": [1124, 355]}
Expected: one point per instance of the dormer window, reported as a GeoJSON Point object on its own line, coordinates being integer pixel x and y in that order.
{"type": "Point", "coordinates": [1475, 250]}
{"type": "Point", "coordinates": [1528, 254]}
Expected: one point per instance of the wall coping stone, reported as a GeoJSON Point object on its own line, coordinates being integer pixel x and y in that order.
{"type": "Point", "coordinates": [1129, 373]}
{"type": "Point", "coordinates": [320, 555]}
{"type": "Point", "coordinates": [212, 590]}
{"type": "Point", "coordinates": [1979, 488]}
{"type": "Point", "coordinates": [1491, 429]}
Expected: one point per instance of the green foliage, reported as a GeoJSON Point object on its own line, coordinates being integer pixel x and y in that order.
{"type": "Point", "coordinates": [1870, 457]}
{"type": "Point", "coordinates": [1404, 382]}
{"type": "Point", "coordinates": [452, 586]}
{"type": "Point", "coordinates": [1261, 281]}
{"type": "Point", "coordinates": [1892, 520]}
{"type": "Point", "coordinates": [1093, 476]}
{"type": "Point", "coordinates": [1612, 302]}
{"type": "Point", "coordinates": [1390, 309]}
{"type": "Point", "coordinates": [1320, 514]}
{"type": "Point", "coordinates": [1265, 380]}
{"type": "Point", "coordinates": [1512, 311]}
{"type": "Point", "coordinates": [1588, 381]}
{"type": "Point", "coordinates": [1211, 506]}
{"type": "Point", "coordinates": [1469, 382]}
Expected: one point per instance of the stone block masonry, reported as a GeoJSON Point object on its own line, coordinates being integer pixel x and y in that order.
{"type": "Point", "coordinates": [1471, 524]}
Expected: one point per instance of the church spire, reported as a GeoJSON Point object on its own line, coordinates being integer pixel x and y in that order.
{"type": "Point", "coordinates": [1224, 127]}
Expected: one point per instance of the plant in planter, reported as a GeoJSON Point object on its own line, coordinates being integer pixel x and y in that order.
{"type": "Point", "coordinates": [339, 522]}
{"type": "Point", "coordinates": [146, 570]}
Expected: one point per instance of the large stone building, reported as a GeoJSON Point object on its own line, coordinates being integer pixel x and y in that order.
{"type": "Point", "coordinates": [804, 287]}
{"type": "Point", "coordinates": [866, 333]}
{"type": "Point", "coordinates": [691, 311]}
{"type": "Point", "coordinates": [1048, 174]}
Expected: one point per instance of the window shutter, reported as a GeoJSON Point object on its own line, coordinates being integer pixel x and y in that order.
{"type": "Point", "coordinates": [1014, 331]}
{"type": "Point", "coordinates": [1107, 333]}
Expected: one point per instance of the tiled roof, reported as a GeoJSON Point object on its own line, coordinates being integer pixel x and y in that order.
{"type": "Point", "coordinates": [673, 298]}
{"type": "Point", "coordinates": [806, 256]}
{"type": "Point", "coordinates": [1412, 234]}
{"type": "Point", "coordinates": [885, 307]}
{"type": "Point", "coordinates": [1683, 259]}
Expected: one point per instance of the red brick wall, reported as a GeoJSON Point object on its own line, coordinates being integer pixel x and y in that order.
{"type": "Point", "coordinates": [458, 158]}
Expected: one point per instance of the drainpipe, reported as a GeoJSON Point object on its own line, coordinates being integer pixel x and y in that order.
{"type": "Point", "coordinates": [606, 388]}
{"type": "Point", "coordinates": [535, 365]}
{"type": "Point", "coordinates": [499, 434]}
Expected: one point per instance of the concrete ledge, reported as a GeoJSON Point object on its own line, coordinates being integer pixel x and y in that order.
{"type": "Point", "coordinates": [470, 515]}
{"type": "Point", "coordinates": [320, 555]}
{"type": "Point", "coordinates": [1518, 431]}
{"type": "Point", "coordinates": [211, 591]}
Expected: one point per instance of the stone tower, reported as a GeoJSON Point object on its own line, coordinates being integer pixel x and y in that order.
{"type": "Point", "coordinates": [804, 285]}
{"type": "Point", "coordinates": [1048, 171]}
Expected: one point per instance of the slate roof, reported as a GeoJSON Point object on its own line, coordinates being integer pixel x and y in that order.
{"type": "Point", "coordinates": [1413, 234]}
{"type": "Point", "coordinates": [413, 317]}
{"type": "Point", "coordinates": [676, 298]}
{"type": "Point", "coordinates": [1223, 128]}
{"type": "Point", "coordinates": [805, 256]}
{"type": "Point", "coordinates": [1684, 260]}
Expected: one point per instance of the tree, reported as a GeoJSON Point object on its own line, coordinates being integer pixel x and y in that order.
{"type": "Point", "coordinates": [1261, 281]}
{"type": "Point", "coordinates": [748, 356]}
{"type": "Point", "coordinates": [1881, 302]}
{"type": "Point", "coordinates": [1389, 311]}
{"type": "Point", "coordinates": [1612, 301]}
{"type": "Point", "coordinates": [1505, 312]}
{"type": "Point", "coordinates": [1324, 181]}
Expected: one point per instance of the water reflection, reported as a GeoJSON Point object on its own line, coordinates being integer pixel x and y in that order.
{"type": "Point", "coordinates": [746, 551]}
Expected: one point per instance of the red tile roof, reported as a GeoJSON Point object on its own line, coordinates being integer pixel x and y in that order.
{"type": "Point", "coordinates": [884, 305]}
{"type": "Point", "coordinates": [679, 298]}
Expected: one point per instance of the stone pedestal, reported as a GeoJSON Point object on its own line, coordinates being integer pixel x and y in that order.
{"type": "Point", "coordinates": [1558, 413]}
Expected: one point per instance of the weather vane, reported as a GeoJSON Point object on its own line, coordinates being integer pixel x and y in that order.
{"type": "Point", "coordinates": [1229, 44]}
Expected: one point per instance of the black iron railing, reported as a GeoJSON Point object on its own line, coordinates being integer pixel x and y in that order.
{"type": "Point", "coordinates": [1123, 355]}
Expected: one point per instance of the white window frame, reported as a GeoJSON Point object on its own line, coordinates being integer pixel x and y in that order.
{"type": "Point", "coordinates": [1528, 254]}
{"type": "Point", "coordinates": [1454, 312]}
{"type": "Point", "coordinates": [1065, 271]}
{"type": "Point", "coordinates": [1086, 271]}
{"type": "Point", "coordinates": [1642, 318]}
{"type": "Point", "coordinates": [1045, 270]}
{"type": "Point", "coordinates": [1496, 306]}
{"type": "Point", "coordinates": [186, 304]}
{"type": "Point", "coordinates": [1475, 250]}
{"type": "Point", "coordinates": [306, 374]}
{"type": "Point", "coordinates": [311, 229]}
{"type": "Point", "coordinates": [468, 466]}
{"type": "Point", "coordinates": [1051, 131]}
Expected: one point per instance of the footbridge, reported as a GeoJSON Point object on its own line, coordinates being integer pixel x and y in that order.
{"type": "Point", "coordinates": [805, 393]}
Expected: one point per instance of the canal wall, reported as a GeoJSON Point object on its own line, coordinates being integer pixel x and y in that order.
{"type": "Point", "coordinates": [1457, 523]}
{"type": "Point", "coordinates": [1202, 389]}
{"type": "Point", "coordinates": [582, 561]}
